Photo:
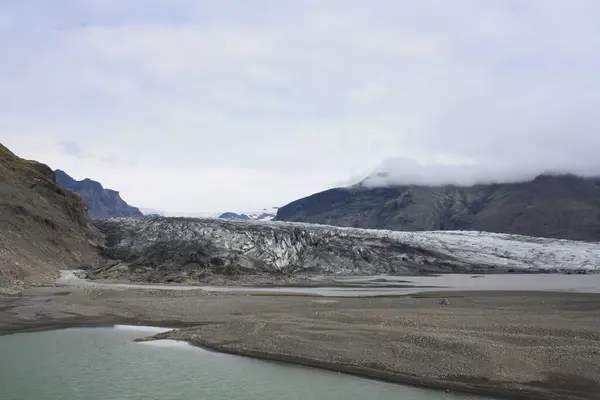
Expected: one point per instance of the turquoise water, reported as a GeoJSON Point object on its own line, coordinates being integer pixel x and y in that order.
{"type": "Point", "coordinates": [104, 364]}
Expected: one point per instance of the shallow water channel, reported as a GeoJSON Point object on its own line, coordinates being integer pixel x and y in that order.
{"type": "Point", "coordinates": [381, 285]}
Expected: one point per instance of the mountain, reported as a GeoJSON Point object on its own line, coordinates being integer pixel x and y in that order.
{"type": "Point", "coordinates": [43, 228]}
{"type": "Point", "coordinates": [558, 206]}
{"type": "Point", "coordinates": [101, 202]}
{"type": "Point", "coordinates": [150, 212]}
{"type": "Point", "coordinates": [232, 215]}
{"type": "Point", "coordinates": [192, 250]}
{"type": "Point", "coordinates": [266, 214]}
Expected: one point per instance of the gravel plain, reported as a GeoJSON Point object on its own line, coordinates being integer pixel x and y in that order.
{"type": "Point", "coordinates": [525, 345]}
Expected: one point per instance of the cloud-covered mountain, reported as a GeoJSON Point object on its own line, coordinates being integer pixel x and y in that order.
{"type": "Point", "coordinates": [561, 206]}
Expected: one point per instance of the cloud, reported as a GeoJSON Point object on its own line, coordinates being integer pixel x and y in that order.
{"type": "Point", "coordinates": [404, 171]}
{"type": "Point", "coordinates": [206, 106]}
{"type": "Point", "coordinates": [76, 150]}
{"type": "Point", "coordinates": [71, 148]}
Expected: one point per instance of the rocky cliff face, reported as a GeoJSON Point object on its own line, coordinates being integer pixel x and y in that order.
{"type": "Point", "coordinates": [549, 206]}
{"type": "Point", "coordinates": [101, 202]}
{"type": "Point", "coordinates": [43, 228]}
{"type": "Point", "coordinates": [188, 250]}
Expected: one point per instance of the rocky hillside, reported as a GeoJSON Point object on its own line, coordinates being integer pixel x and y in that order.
{"type": "Point", "coordinates": [43, 228]}
{"type": "Point", "coordinates": [101, 202]}
{"type": "Point", "coordinates": [549, 206]}
{"type": "Point", "coordinates": [190, 250]}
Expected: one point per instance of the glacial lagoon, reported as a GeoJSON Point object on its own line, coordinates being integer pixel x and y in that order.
{"type": "Point", "coordinates": [105, 363]}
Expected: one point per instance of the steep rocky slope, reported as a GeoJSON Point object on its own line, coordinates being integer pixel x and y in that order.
{"type": "Point", "coordinates": [101, 202]}
{"type": "Point", "coordinates": [550, 206]}
{"type": "Point", "coordinates": [43, 228]}
{"type": "Point", "coordinates": [188, 250]}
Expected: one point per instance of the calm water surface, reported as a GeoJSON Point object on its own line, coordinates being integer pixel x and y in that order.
{"type": "Point", "coordinates": [589, 283]}
{"type": "Point", "coordinates": [104, 364]}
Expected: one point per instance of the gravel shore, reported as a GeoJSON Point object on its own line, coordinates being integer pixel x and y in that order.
{"type": "Point", "coordinates": [528, 345]}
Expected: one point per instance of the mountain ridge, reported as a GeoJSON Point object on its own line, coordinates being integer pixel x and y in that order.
{"type": "Point", "coordinates": [101, 202]}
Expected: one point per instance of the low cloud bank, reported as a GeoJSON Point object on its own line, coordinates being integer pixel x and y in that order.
{"type": "Point", "coordinates": [404, 171]}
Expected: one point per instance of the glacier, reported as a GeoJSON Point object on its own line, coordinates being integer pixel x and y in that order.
{"type": "Point", "coordinates": [186, 249]}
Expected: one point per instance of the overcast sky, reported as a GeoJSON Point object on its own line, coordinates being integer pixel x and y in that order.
{"type": "Point", "coordinates": [197, 106]}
